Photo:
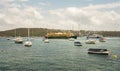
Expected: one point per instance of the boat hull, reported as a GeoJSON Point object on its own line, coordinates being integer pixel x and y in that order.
{"type": "Point", "coordinates": [61, 37]}
{"type": "Point", "coordinates": [46, 41]}
{"type": "Point", "coordinates": [90, 42]}
{"type": "Point", "coordinates": [98, 53]}
{"type": "Point", "coordinates": [77, 45]}
{"type": "Point", "coordinates": [18, 42]}
{"type": "Point", "coordinates": [28, 45]}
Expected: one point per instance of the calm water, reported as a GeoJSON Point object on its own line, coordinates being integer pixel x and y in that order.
{"type": "Point", "coordinates": [58, 55]}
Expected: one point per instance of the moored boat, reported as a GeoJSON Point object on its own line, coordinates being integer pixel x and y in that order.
{"type": "Point", "coordinates": [90, 42]}
{"type": "Point", "coordinates": [94, 36]}
{"type": "Point", "coordinates": [71, 39]}
{"type": "Point", "coordinates": [77, 43]}
{"type": "Point", "coordinates": [46, 40]}
{"type": "Point", "coordinates": [28, 43]}
{"type": "Point", "coordinates": [102, 39]}
{"type": "Point", "coordinates": [18, 40]}
{"type": "Point", "coordinates": [98, 51]}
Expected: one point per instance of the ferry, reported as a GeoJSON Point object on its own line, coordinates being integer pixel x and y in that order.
{"type": "Point", "coordinates": [60, 35]}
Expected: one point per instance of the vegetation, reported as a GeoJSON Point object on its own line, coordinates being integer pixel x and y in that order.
{"type": "Point", "coordinates": [43, 31]}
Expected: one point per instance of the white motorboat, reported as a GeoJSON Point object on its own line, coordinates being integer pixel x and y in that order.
{"type": "Point", "coordinates": [46, 40]}
{"type": "Point", "coordinates": [71, 39]}
{"type": "Point", "coordinates": [77, 43]}
{"type": "Point", "coordinates": [28, 43]}
{"type": "Point", "coordinates": [90, 42]}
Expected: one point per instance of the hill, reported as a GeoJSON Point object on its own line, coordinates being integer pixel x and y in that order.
{"type": "Point", "coordinates": [43, 31]}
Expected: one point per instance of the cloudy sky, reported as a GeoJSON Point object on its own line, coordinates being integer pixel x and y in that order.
{"type": "Point", "coordinates": [60, 14]}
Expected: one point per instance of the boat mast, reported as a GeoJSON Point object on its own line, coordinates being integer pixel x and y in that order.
{"type": "Point", "coordinates": [15, 32]}
{"type": "Point", "coordinates": [28, 33]}
{"type": "Point", "coordinates": [79, 29]}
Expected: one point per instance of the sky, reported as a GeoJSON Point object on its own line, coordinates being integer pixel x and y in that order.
{"type": "Point", "coordinates": [96, 15]}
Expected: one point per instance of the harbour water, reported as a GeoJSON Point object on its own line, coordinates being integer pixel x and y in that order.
{"type": "Point", "coordinates": [58, 55]}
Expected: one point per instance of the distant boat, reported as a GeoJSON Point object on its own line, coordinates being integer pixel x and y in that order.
{"type": "Point", "coordinates": [94, 36]}
{"type": "Point", "coordinates": [18, 40]}
{"type": "Point", "coordinates": [102, 39]}
{"type": "Point", "coordinates": [28, 43]}
{"type": "Point", "coordinates": [98, 51]}
{"type": "Point", "coordinates": [46, 40]}
{"type": "Point", "coordinates": [8, 38]}
{"type": "Point", "coordinates": [71, 39]}
{"type": "Point", "coordinates": [90, 41]}
{"type": "Point", "coordinates": [77, 43]}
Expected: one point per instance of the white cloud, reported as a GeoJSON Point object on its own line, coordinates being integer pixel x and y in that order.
{"type": "Point", "coordinates": [102, 6]}
{"type": "Point", "coordinates": [9, 1]}
{"type": "Point", "coordinates": [4, 2]}
{"type": "Point", "coordinates": [23, 0]}
{"type": "Point", "coordinates": [91, 17]}
{"type": "Point", "coordinates": [44, 3]}
{"type": "Point", "coordinates": [27, 17]}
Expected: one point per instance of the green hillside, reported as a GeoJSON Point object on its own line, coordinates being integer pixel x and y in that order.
{"type": "Point", "coordinates": [42, 32]}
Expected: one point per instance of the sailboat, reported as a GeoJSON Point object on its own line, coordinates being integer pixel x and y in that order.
{"type": "Point", "coordinates": [71, 38]}
{"type": "Point", "coordinates": [28, 43]}
{"type": "Point", "coordinates": [77, 42]}
{"type": "Point", "coordinates": [90, 38]}
{"type": "Point", "coordinates": [18, 39]}
{"type": "Point", "coordinates": [89, 41]}
{"type": "Point", "coordinates": [102, 39]}
{"type": "Point", "coordinates": [46, 40]}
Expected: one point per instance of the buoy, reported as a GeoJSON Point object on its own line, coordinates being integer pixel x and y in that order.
{"type": "Point", "coordinates": [115, 56]}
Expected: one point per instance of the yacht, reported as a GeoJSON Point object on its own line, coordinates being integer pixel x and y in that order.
{"type": "Point", "coordinates": [28, 43]}
{"type": "Point", "coordinates": [18, 39]}
{"type": "Point", "coordinates": [71, 39]}
{"type": "Point", "coordinates": [96, 36]}
{"type": "Point", "coordinates": [102, 39]}
{"type": "Point", "coordinates": [46, 40]}
{"type": "Point", "coordinates": [90, 41]}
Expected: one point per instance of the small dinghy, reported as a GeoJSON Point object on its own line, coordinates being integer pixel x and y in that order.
{"type": "Point", "coordinates": [98, 51]}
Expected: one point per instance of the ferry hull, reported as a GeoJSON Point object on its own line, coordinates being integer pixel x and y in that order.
{"type": "Point", "coordinates": [61, 37]}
